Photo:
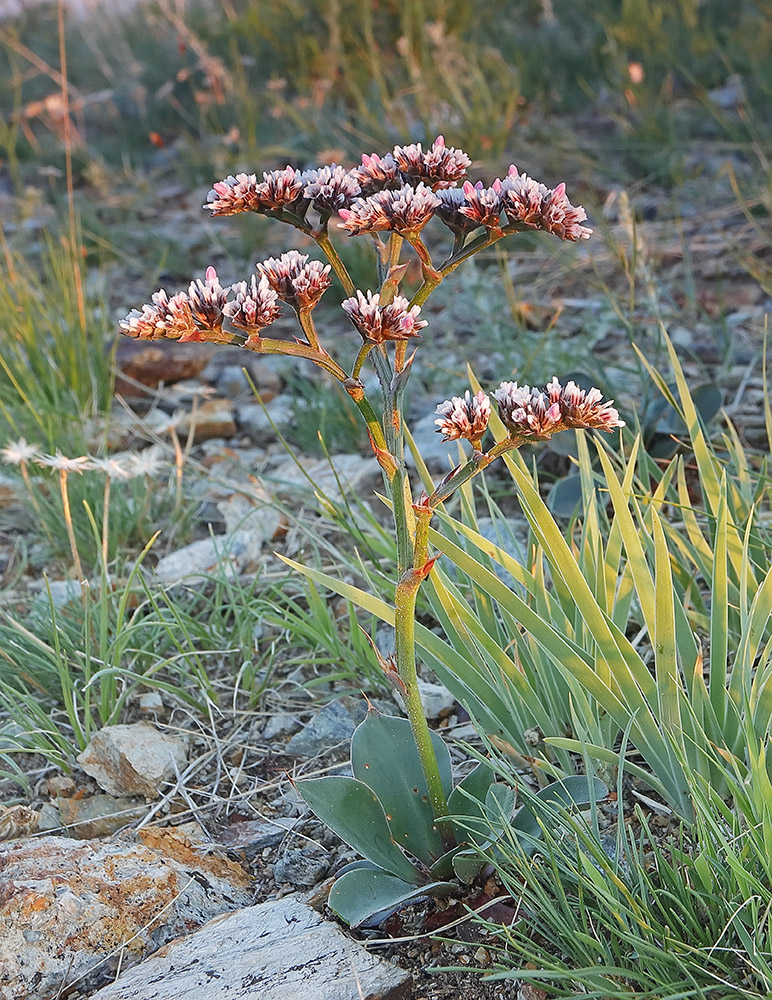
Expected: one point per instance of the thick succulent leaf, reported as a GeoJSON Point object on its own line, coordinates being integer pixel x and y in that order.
{"type": "Point", "coordinates": [364, 896]}
{"type": "Point", "coordinates": [384, 757]}
{"type": "Point", "coordinates": [353, 811]}
{"type": "Point", "coordinates": [499, 806]}
{"type": "Point", "coordinates": [570, 791]}
{"type": "Point", "coordinates": [467, 865]}
{"type": "Point", "coordinates": [468, 799]}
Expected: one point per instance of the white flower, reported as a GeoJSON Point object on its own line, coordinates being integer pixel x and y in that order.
{"type": "Point", "coordinates": [113, 468]}
{"type": "Point", "coordinates": [148, 462]}
{"type": "Point", "coordinates": [20, 453]}
{"type": "Point", "coordinates": [61, 463]}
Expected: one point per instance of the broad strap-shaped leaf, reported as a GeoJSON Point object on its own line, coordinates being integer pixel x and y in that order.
{"type": "Point", "coordinates": [571, 791]}
{"type": "Point", "coordinates": [384, 757]}
{"type": "Point", "coordinates": [468, 798]}
{"type": "Point", "coordinates": [353, 811]}
{"type": "Point", "coordinates": [364, 896]}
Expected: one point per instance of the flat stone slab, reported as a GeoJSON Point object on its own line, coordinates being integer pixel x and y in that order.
{"type": "Point", "coordinates": [280, 950]}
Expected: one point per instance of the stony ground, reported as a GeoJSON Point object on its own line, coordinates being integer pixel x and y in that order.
{"type": "Point", "coordinates": [224, 786]}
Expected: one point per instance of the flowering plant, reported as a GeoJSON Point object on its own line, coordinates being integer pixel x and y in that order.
{"type": "Point", "coordinates": [396, 809]}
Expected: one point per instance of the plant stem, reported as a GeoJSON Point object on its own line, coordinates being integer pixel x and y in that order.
{"type": "Point", "coordinates": [70, 529]}
{"type": "Point", "coordinates": [404, 625]}
{"type": "Point", "coordinates": [325, 243]}
{"type": "Point", "coordinates": [266, 345]}
{"type": "Point", "coordinates": [306, 321]}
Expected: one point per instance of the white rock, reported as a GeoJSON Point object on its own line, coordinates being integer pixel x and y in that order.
{"type": "Point", "coordinates": [254, 513]}
{"type": "Point", "coordinates": [151, 702]}
{"type": "Point", "coordinates": [134, 759]}
{"type": "Point", "coordinates": [436, 698]}
{"type": "Point", "coordinates": [355, 472]}
{"type": "Point", "coordinates": [231, 554]}
{"type": "Point", "coordinates": [281, 950]}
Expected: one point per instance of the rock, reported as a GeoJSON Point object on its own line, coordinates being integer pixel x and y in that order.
{"type": "Point", "coordinates": [98, 815]}
{"type": "Point", "coordinates": [332, 725]}
{"type": "Point", "coordinates": [259, 422]}
{"type": "Point", "coordinates": [278, 724]}
{"type": "Point", "coordinates": [254, 513]}
{"type": "Point", "coordinates": [159, 361]}
{"type": "Point", "coordinates": [299, 868]}
{"type": "Point", "coordinates": [62, 591]}
{"type": "Point", "coordinates": [280, 950]}
{"type": "Point", "coordinates": [11, 490]}
{"type": "Point", "coordinates": [151, 703]}
{"type": "Point", "coordinates": [441, 456]}
{"type": "Point", "coordinates": [253, 835]}
{"type": "Point", "coordinates": [133, 759]}
{"type": "Point", "coordinates": [74, 911]}
{"type": "Point", "coordinates": [356, 473]}
{"type": "Point", "coordinates": [231, 382]}
{"type": "Point", "coordinates": [49, 818]}
{"type": "Point", "coordinates": [212, 418]}
{"type": "Point", "coordinates": [436, 698]}
{"type": "Point", "coordinates": [231, 554]}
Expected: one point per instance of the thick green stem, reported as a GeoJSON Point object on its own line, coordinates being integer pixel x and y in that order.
{"type": "Point", "coordinates": [356, 390]}
{"type": "Point", "coordinates": [404, 624]}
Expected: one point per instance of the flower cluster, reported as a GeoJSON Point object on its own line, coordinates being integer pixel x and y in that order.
{"type": "Point", "coordinates": [528, 202]}
{"type": "Point", "coordinates": [405, 211]}
{"type": "Point", "coordinates": [199, 313]}
{"type": "Point", "coordinates": [535, 413]}
{"type": "Point", "coordinates": [377, 323]}
{"type": "Point", "coordinates": [254, 306]}
{"type": "Point", "coordinates": [296, 279]}
{"type": "Point", "coordinates": [400, 191]}
{"type": "Point", "coordinates": [464, 416]}
{"type": "Point", "coordinates": [279, 189]}
{"type": "Point", "coordinates": [329, 189]}
{"type": "Point", "coordinates": [440, 166]}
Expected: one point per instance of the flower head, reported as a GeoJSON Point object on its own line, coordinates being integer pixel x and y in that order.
{"type": "Point", "coordinates": [482, 206]}
{"type": "Point", "coordinates": [113, 468]}
{"type": "Point", "coordinates": [440, 166]}
{"type": "Point", "coordinates": [563, 219]}
{"type": "Point", "coordinates": [584, 408]}
{"type": "Point", "coordinates": [535, 205]}
{"type": "Point", "coordinates": [280, 189]}
{"type": "Point", "coordinates": [525, 411]}
{"type": "Point", "coordinates": [143, 324]}
{"type": "Point", "coordinates": [404, 211]}
{"type": "Point", "coordinates": [253, 307]}
{"type": "Point", "coordinates": [61, 463]}
{"type": "Point", "coordinates": [296, 279]}
{"type": "Point", "coordinates": [448, 211]}
{"type": "Point", "coordinates": [175, 319]}
{"type": "Point", "coordinates": [148, 462]}
{"type": "Point", "coordinates": [531, 412]}
{"type": "Point", "coordinates": [207, 301]}
{"type": "Point", "coordinates": [19, 452]}
{"type": "Point", "coordinates": [377, 323]}
{"type": "Point", "coordinates": [464, 416]}
{"type": "Point", "coordinates": [329, 189]}
{"type": "Point", "coordinates": [233, 195]}
{"type": "Point", "coordinates": [183, 317]}
{"type": "Point", "coordinates": [376, 173]}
